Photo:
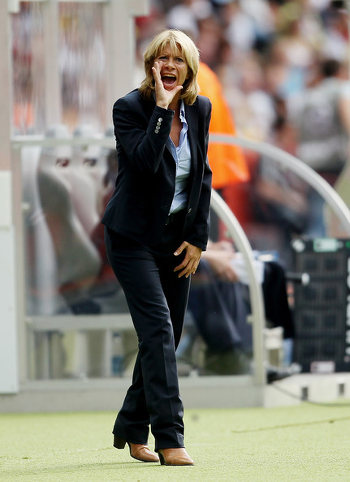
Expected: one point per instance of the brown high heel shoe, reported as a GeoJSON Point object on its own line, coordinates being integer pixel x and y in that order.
{"type": "Point", "coordinates": [177, 456]}
{"type": "Point", "coordinates": [137, 451]}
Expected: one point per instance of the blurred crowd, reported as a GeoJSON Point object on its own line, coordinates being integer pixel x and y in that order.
{"type": "Point", "coordinates": [263, 51]}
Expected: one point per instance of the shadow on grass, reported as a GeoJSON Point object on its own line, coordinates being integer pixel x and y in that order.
{"type": "Point", "coordinates": [74, 468]}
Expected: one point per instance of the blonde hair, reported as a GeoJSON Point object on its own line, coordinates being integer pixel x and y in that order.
{"type": "Point", "coordinates": [176, 41]}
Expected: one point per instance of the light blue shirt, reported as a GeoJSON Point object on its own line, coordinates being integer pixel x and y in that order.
{"type": "Point", "coordinates": [182, 157]}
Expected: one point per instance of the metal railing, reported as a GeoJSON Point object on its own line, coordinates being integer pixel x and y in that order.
{"type": "Point", "coordinates": [297, 166]}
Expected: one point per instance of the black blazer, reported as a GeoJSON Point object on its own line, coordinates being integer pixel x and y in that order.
{"type": "Point", "coordinates": [145, 183]}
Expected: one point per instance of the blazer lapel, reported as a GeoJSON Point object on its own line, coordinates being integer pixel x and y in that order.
{"type": "Point", "coordinates": [191, 112]}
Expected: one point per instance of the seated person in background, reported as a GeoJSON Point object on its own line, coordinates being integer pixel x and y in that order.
{"type": "Point", "coordinates": [219, 305]}
{"type": "Point", "coordinates": [279, 195]}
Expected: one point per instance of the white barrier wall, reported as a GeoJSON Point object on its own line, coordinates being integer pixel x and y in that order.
{"type": "Point", "coordinates": [8, 316]}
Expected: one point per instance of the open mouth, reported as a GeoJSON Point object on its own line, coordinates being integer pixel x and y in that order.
{"type": "Point", "coordinates": [168, 80]}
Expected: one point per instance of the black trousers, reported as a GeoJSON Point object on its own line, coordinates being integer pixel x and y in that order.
{"type": "Point", "coordinates": [157, 300]}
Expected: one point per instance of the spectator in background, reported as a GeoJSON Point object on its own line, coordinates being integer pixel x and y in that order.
{"type": "Point", "coordinates": [248, 98]}
{"type": "Point", "coordinates": [335, 42]}
{"type": "Point", "coordinates": [219, 304]}
{"type": "Point", "coordinates": [293, 47]}
{"type": "Point", "coordinates": [279, 200]}
{"type": "Point", "coordinates": [321, 117]}
{"type": "Point", "coordinates": [227, 161]}
{"type": "Point", "coordinates": [230, 170]}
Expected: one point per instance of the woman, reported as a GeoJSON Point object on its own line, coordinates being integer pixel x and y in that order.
{"type": "Point", "coordinates": [156, 228]}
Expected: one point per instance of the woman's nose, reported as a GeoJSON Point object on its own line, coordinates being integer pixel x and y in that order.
{"type": "Point", "coordinates": [170, 61]}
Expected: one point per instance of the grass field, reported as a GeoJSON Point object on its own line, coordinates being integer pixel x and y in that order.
{"type": "Point", "coordinates": [300, 443]}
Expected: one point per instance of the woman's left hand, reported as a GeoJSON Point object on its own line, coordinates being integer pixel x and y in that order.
{"type": "Point", "coordinates": [191, 260]}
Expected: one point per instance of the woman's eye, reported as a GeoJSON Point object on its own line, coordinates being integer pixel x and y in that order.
{"type": "Point", "coordinates": [179, 59]}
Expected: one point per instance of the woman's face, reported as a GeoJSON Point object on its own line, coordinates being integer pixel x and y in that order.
{"type": "Point", "coordinates": [173, 68]}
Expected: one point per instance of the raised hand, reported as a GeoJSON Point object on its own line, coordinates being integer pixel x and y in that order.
{"type": "Point", "coordinates": [164, 97]}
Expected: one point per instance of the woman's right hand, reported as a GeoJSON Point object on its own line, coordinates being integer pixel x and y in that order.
{"type": "Point", "coordinates": [163, 97]}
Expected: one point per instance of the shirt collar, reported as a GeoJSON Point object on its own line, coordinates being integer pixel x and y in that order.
{"type": "Point", "coordinates": [182, 112]}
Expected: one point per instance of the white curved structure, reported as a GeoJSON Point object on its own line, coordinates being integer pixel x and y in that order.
{"type": "Point", "coordinates": [308, 175]}
{"type": "Point", "coordinates": [256, 298]}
